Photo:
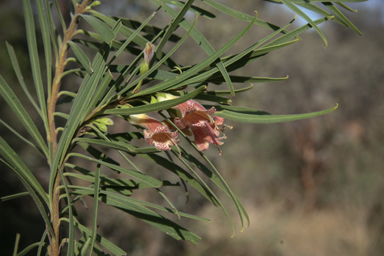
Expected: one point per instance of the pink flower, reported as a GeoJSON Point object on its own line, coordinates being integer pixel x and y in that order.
{"type": "Point", "coordinates": [202, 122]}
{"type": "Point", "coordinates": [155, 132]}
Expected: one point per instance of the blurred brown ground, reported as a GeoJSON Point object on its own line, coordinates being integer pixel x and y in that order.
{"type": "Point", "coordinates": [312, 187]}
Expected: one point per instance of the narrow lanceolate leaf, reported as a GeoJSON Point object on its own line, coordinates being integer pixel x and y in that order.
{"type": "Point", "coordinates": [104, 31]}
{"type": "Point", "coordinates": [21, 137]}
{"type": "Point", "coordinates": [10, 197]}
{"type": "Point", "coordinates": [105, 82]}
{"type": "Point", "coordinates": [119, 146]}
{"type": "Point", "coordinates": [317, 9]}
{"type": "Point", "coordinates": [148, 29]}
{"type": "Point", "coordinates": [172, 27]}
{"type": "Point", "coordinates": [216, 180]}
{"type": "Point", "coordinates": [53, 31]}
{"type": "Point", "coordinates": [20, 168]}
{"type": "Point", "coordinates": [21, 114]}
{"type": "Point", "coordinates": [131, 37]}
{"type": "Point", "coordinates": [296, 32]}
{"type": "Point", "coordinates": [341, 16]}
{"type": "Point", "coordinates": [184, 175]}
{"type": "Point", "coordinates": [248, 79]}
{"type": "Point", "coordinates": [256, 118]}
{"type": "Point", "coordinates": [16, 68]}
{"type": "Point", "coordinates": [160, 62]}
{"type": "Point", "coordinates": [71, 240]}
{"type": "Point", "coordinates": [81, 57]}
{"type": "Point", "coordinates": [193, 8]}
{"type": "Point", "coordinates": [297, 10]}
{"type": "Point", "coordinates": [200, 39]}
{"type": "Point", "coordinates": [28, 248]}
{"type": "Point", "coordinates": [240, 15]}
{"type": "Point", "coordinates": [224, 92]}
{"type": "Point", "coordinates": [346, 7]}
{"type": "Point", "coordinates": [41, 243]}
{"type": "Point", "coordinates": [30, 186]}
{"type": "Point", "coordinates": [167, 226]}
{"type": "Point", "coordinates": [140, 176]}
{"type": "Point", "coordinates": [16, 247]}
{"type": "Point", "coordinates": [114, 249]}
{"type": "Point", "coordinates": [95, 206]}
{"type": "Point", "coordinates": [41, 10]}
{"type": "Point", "coordinates": [174, 83]}
{"type": "Point", "coordinates": [34, 59]}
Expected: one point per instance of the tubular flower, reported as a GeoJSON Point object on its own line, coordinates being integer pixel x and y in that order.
{"type": "Point", "coordinates": [202, 122]}
{"type": "Point", "coordinates": [155, 131]}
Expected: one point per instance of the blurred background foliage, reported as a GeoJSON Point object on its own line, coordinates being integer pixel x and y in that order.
{"type": "Point", "coordinates": [312, 187]}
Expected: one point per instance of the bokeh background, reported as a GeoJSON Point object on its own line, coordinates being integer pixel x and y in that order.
{"type": "Point", "coordinates": [311, 187]}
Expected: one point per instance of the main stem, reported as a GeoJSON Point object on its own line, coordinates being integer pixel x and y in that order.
{"type": "Point", "coordinates": [52, 136]}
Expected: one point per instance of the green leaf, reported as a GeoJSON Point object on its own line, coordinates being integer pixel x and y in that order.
{"type": "Point", "coordinates": [341, 16]}
{"type": "Point", "coordinates": [46, 41]}
{"type": "Point", "coordinates": [19, 75]}
{"type": "Point", "coordinates": [157, 65]}
{"type": "Point", "coordinates": [173, 83]}
{"type": "Point", "coordinates": [34, 59]}
{"type": "Point", "coordinates": [119, 146]}
{"type": "Point", "coordinates": [238, 61]}
{"type": "Point", "coordinates": [200, 39]}
{"type": "Point", "coordinates": [105, 82]}
{"type": "Point", "coordinates": [53, 33]}
{"type": "Point", "coordinates": [19, 167]}
{"type": "Point", "coordinates": [102, 29]}
{"type": "Point", "coordinates": [140, 176]}
{"type": "Point", "coordinates": [62, 22]}
{"type": "Point", "coordinates": [213, 98]}
{"type": "Point", "coordinates": [97, 154]}
{"type": "Point", "coordinates": [21, 137]}
{"type": "Point", "coordinates": [131, 37]}
{"type": "Point", "coordinates": [149, 29]}
{"type": "Point", "coordinates": [240, 15]}
{"type": "Point", "coordinates": [42, 244]}
{"type": "Point", "coordinates": [28, 248]}
{"type": "Point", "coordinates": [295, 32]}
{"type": "Point", "coordinates": [95, 206]}
{"type": "Point", "coordinates": [219, 181]}
{"type": "Point", "coordinates": [172, 27]}
{"type": "Point", "coordinates": [297, 10]}
{"type": "Point", "coordinates": [257, 118]}
{"type": "Point", "coordinates": [71, 240]}
{"type": "Point", "coordinates": [115, 250]}
{"type": "Point", "coordinates": [167, 226]}
{"type": "Point", "coordinates": [193, 8]}
{"type": "Point", "coordinates": [16, 247]}
{"type": "Point", "coordinates": [82, 58]}
{"type": "Point", "coordinates": [138, 39]}
{"type": "Point", "coordinates": [184, 175]}
{"type": "Point", "coordinates": [346, 7]}
{"type": "Point", "coordinates": [248, 79]}
{"type": "Point", "coordinates": [29, 183]}
{"type": "Point", "coordinates": [219, 92]}
{"type": "Point", "coordinates": [317, 9]}
{"type": "Point", "coordinates": [10, 197]}
{"type": "Point", "coordinates": [243, 110]}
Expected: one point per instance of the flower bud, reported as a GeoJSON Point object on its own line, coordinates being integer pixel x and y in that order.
{"type": "Point", "coordinates": [148, 55]}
